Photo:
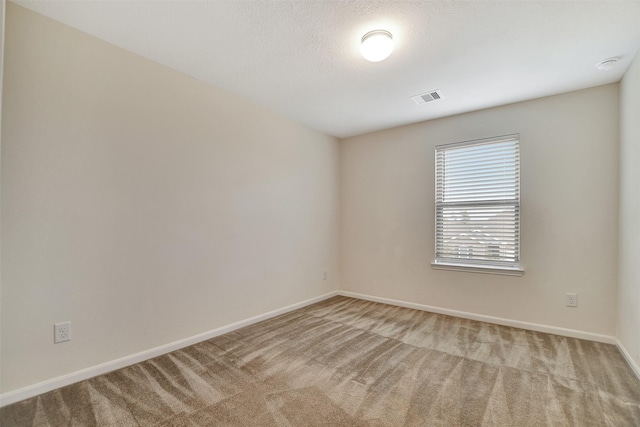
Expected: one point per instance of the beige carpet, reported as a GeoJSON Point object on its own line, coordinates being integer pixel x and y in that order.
{"type": "Point", "coordinates": [347, 362]}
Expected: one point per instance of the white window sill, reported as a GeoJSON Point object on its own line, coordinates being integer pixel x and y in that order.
{"type": "Point", "coordinates": [469, 268]}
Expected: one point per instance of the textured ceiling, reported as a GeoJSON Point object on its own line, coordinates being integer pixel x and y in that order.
{"type": "Point", "coordinates": [301, 59]}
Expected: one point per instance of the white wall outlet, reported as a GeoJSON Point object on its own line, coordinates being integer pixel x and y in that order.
{"type": "Point", "coordinates": [572, 300]}
{"type": "Point", "coordinates": [61, 332]}
{"type": "Point", "coordinates": [324, 275]}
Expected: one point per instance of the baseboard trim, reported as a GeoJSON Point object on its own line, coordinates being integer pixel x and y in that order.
{"type": "Point", "coordinates": [573, 333]}
{"type": "Point", "coordinates": [628, 358]}
{"type": "Point", "coordinates": [103, 368]}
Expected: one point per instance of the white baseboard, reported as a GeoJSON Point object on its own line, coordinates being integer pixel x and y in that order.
{"type": "Point", "coordinates": [629, 359]}
{"type": "Point", "coordinates": [83, 374]}
{"type": "Point", "coordinates": [489, 319]}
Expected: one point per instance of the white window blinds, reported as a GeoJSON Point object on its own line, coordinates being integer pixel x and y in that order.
{"type": "Point", "coordinates": [478, 203]}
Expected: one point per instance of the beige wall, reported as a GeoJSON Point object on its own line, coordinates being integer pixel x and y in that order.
{"type": "Point", "coordinates": [628, 331]}
{"type": "Point", "coordinates": [569, 155]}
{"type": "Point", "coordinates": [145, 206]}
{"type": "Point", "coordinates": [3, 6]}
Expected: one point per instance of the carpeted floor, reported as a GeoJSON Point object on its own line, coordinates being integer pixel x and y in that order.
{"type": "Point", "coordinates": [347, 362]}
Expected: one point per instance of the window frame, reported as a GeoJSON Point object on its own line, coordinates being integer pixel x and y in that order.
{"type": "Point", "coordinates": [479, 265]}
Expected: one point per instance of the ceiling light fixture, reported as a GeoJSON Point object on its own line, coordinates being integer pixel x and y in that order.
{"type": "Point", "coordinates": [607, 64]}
{"type": "Point", "coordinates": [376, 45]}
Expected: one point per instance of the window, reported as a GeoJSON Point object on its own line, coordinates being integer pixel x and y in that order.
{"type": "Point", "coordinates": [478, 206]}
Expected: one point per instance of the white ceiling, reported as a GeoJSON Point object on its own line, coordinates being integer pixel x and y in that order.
{"type": "Point", "coordinates": [300, 58]}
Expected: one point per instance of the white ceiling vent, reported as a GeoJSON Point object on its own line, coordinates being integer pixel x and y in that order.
{"type": "Point", "coordinates": [423, 98]}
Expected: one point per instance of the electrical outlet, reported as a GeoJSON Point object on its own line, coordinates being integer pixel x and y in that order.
{"type": "Point", "coordinates": [61, 332]}
{"type": "Point", "coordinates": [572, 300]}
{"type": "Point", "coordinates": [324, 275]}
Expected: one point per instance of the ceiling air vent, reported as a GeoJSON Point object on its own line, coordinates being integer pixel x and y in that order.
{"type": "Point", "coordinates": [423, 98]}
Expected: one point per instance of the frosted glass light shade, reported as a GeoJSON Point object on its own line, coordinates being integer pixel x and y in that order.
{"type": "Point", "coordinates": [376, 45]}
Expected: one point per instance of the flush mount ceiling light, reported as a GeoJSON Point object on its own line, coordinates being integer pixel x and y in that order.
{"type": "Point", "coordinates": [376, 45]}
{"type": "Point", "coordinates": [607, 64]}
